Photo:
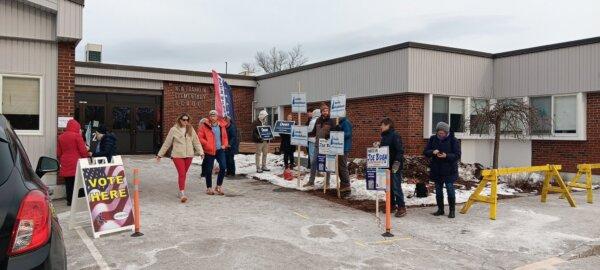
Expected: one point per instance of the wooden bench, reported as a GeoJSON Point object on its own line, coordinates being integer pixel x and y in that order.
{"type": "Point", "coordinates": [250, 147]}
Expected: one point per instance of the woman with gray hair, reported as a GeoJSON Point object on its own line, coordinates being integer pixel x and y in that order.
{"type": "Point", "coordinates": [443, 150]}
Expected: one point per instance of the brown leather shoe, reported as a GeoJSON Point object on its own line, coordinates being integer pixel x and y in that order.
{"type": "Point", "coordinates": [400, 212]}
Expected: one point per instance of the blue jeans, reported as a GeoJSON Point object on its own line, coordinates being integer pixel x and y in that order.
{"type": "Point", "coordinates": [311, 151]}
{"type": "Point", "coordinates": [439, 191]}
{"type": "Point", "coordinates": [396, 192]}
{"type": "Point", "coordinates": [210, 163]}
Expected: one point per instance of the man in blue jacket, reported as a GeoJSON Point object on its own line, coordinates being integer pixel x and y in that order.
{"type": "Point", "coordinates": [107, 147]}
{"type": "Point", "coordinates": [234, 144]}
{"type": "Point", "coordinates": [391, 139]}
{"type": "Point", "coordinates": [346, 126]}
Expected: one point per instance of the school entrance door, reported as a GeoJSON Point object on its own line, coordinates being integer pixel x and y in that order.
{"type": "Point", "coordinates": [134, 119]}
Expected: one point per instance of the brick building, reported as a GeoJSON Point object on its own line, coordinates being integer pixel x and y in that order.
{"type": "Point", "coordinates": [415, 84]}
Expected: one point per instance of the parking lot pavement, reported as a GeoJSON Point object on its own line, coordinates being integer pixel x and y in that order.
{"type": "Point", "coordinates": [261, 226]}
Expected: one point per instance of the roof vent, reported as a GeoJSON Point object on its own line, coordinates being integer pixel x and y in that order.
{"type": "Point", "coordinates": [93, 53]}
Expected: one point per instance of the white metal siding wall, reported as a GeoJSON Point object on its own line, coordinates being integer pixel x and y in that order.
{"type": "Point", "coordinates": [69, 19]}
{"type": "Point", "coordinates": [107, 72]}
{"type": "Point", "coordinates": [568, 70]}
{"type": "Point", "coordinates": [81, 80]}
{"type": "Point", "coordinates": [376, 75]}
{"type": "Point", "coordinates": [39, 59]}
{"type": "Point", "coordinates": [23, 21]}
{"type": "Point", "coordinates": [449, 73]}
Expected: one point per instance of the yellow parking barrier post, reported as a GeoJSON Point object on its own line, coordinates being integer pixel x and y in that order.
{"type": "Point", "coordinates": [553, 173]}
{"type": "Point", "coordinates": [583, 169]}
{"type": "Point", "coordinates": [489, 176]}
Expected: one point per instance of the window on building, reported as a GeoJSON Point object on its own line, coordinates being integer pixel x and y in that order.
{"type": "Point", "coordinates": [476, 106]}
{"type": "Point", "coordinates": [272, 117]}
{"type": "Point", "coordinates": [449, 110]}
{"type": "Point", "coordinates": [565, 114]}
{"type": "Point", "coordinates": [21, 102]}
{"type": "Point", "coordinates": [543, 106]}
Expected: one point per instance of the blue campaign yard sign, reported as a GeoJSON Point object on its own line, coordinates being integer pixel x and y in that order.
{"type": "Point", "coordinates": [376, 178]}
{"type": "Point", "coordinates": [338, 106]}
{"type": "Point", "coordinates": [299, 102]}
{"type": "Point", "coordinates": [283, 127]}
{"type": "Point", "coordinates": [265, 133]}
{"type": "Point", "coordinates": [321, 162]}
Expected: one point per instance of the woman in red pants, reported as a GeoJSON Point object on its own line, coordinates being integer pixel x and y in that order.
{"type": "Point", "coordinates": [182, 143]}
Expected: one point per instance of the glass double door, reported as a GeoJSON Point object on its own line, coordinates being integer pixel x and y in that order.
{"type": "Point", "coordinates": [136, 126]}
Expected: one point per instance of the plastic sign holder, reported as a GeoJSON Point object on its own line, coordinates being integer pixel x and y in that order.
{"type": "Point", "coordinates": [101, 213]}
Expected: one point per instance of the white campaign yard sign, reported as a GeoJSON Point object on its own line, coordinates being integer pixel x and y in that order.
{"type": "Point", "coordinates": [299, 102]}
{"type": "Point", "coordinates": [323, 146]}
{"type": "Point", "coordinates": [299, 136]}
{"type": "Point", "coordinates": [378, 157]}
{"type": "Point", "coordinates": [336, 143]}
{"type": "Point", "coordinates": [338, 106]}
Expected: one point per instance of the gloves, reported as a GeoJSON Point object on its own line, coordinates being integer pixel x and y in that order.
{"type": "Point", "coordinates": [396, 166]}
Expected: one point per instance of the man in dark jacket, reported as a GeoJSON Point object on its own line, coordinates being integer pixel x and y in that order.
{"type": "Point", "coordinates": [234, 146]}
{"type": "Point", "coordinates": [287, 148]}
{"type": "Point", "coordinates": [262, 146]}
{"type": "Point", "coordinates": [323, 126]}
{"type": "Point", "coordinates": [443, 150]}
{"type": "Point", "coordinates": [391, 139]}
{"type": "Point", "coordinates": [107, 147]}
{"type": "Point", "coordinates": [346, 127]}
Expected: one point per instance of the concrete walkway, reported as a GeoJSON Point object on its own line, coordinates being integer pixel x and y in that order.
{"type": "Point", "coordinates": [261, 226]}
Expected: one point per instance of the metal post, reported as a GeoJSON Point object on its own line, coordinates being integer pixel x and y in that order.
{"type": "Point", "coordinates": [136, 202]}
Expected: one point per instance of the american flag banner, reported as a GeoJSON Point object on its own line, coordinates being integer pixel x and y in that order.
{"type": "Point", "coordinates": [108, 197]}
{"type": "Point", "coordinates": [223, 96]}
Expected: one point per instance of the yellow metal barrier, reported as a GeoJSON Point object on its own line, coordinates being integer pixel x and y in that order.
{"type": "Point", "coordinates": [491, 177]}
{"type": "Point", "coordinates": [581, 170]}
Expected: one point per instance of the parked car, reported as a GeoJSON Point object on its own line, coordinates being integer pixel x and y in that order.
{"type": "Point", "coordinates": [30, 236]}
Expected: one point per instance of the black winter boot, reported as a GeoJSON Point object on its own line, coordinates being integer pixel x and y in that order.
{"type": "Point", "coordinates": [452, 205]}
{"type": "Point", "coordinates": [440, 205]}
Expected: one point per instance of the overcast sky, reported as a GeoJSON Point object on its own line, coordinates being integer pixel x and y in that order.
{"type": "Point", "coordinates": [202, 35]}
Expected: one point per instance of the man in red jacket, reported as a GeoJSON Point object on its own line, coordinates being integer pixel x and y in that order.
{"type": "Point", "coordinates": [213, 137]}
{"type": "Point", "coordinates": [69, 150]}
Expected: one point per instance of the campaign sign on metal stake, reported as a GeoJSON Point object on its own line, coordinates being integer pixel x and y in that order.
{"type": "Point", "coordinates": [106, 196]}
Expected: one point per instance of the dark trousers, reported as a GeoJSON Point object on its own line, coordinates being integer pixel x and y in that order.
{"type": "Point", "coordinates": [230, 158]}
{"type": "Point", "coordinates": [288, 158]}
{"type": "Point", "coordinates": [439, 192]}
{"type": "Point", "coordinates": [396, 192]}
{"type": "Point", "coordinates": [210, 162]}
{"type": "Point", "coordinates": [69, 185]}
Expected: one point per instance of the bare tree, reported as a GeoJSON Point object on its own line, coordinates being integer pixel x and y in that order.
{"type": "Point", "coordinates": [509, 117]}
{"type": "Point", "coordinates": [248, 68]}
{"type": "Point", "coordinates": [277, 60]}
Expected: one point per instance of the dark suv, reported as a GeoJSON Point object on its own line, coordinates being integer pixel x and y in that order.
{"type": "Point", "coordinates": [30, 236]}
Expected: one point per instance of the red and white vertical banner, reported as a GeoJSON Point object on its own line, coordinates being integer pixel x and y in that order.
{"type": "Point", "coordinates": [223, 96]}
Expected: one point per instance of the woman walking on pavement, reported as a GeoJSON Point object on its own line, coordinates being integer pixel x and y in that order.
{"type": "Point", "coordinates": [70, 149]}
{"type": "Point", "coordinates": [183, 144]}
{"type": "Point", "coordinates": [213, 137]}
{"type": "Point", "coordinates": [391, 139]}
{"type": "Point", "coordinates": [443, 150]}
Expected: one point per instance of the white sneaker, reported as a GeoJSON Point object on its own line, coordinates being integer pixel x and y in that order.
{"type": "Point", "coordinates": [182, 196]}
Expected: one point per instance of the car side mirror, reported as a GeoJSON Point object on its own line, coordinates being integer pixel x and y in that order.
{"type": "Point", "coordinates": [46, 165]}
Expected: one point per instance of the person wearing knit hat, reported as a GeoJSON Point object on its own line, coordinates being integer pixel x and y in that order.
{"type": "Point", "coordinates": [443, 151]}
{"type": "Point", "coordinates": [262, 146]}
